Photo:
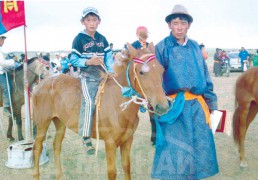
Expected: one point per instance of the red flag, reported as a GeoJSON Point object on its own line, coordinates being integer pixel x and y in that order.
{"type": "Point", "coordinates": [12, 15]}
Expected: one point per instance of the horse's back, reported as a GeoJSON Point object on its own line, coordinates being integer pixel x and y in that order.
{"type": "Point", "coordinates": [247, 85]}
{"type": "Point", "coordinates": [56, 96]}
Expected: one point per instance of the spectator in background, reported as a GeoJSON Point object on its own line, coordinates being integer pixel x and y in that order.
{"type": "Point", "coordinates": [5, 83]}
{"type": "Point", "coordinates": [55, 63]}
{"type": "Point", "coordinates": [22, 58]}
{"type": "Point", "coordinates": [65, 63]}
{"type": "Point", "coordinates": [142, 34]}
{"type": "Point", "coordinates": [111, 45]}
{"type": "Point", "coordinates": [217, 63]}
{"type": "Point", "coordinates": [204, 52]}
{"type": "Point", "coordinates": [255, 58]}
{"type": "Point", "coordinates": [243, 55]}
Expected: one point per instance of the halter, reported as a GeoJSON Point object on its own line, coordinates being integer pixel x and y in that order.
{"type": "Point", "coordinates": [130, 92]}
{"type": "Point", "coordinates": [140, 61]}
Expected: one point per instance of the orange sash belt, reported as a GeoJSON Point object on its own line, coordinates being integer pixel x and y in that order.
{"type": "Point", "coordinates": [190, 96]}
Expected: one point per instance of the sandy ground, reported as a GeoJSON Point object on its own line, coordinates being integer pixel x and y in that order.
{"type": "Point", "coordinates": [77, 165]}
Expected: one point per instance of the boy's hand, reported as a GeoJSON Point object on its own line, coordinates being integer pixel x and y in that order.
{"type": "Point", "coordinates": [94, 61]}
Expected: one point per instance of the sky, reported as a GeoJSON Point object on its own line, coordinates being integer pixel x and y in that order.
{"type": "Point", "coordinates": [53, 24]}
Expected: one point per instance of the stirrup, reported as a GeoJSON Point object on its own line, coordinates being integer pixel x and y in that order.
{"type": "Point", "coordinates": [90, 150]}
{"type": "Point", "coordinates": [87, 145]}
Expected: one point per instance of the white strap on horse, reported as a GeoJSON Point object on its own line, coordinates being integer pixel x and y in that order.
{"type": "Point", "coordinates": [136, 100]}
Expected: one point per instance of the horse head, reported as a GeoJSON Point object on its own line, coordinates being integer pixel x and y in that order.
{"type": "Point", "coordinates": [40, 68]}
{"type": "Point", "coordinates": [147, 76]}
{"type": "Point", "coordinates": [121, 62]}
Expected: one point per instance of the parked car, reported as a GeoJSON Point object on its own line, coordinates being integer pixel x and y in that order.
{"type": "Point", "coordinates": [235, 64]}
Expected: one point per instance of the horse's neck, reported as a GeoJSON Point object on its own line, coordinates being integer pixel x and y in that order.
{"type": "Point", "coordinates": [122, 79]}
{"type": "Point", "coordinates": [18, 79]}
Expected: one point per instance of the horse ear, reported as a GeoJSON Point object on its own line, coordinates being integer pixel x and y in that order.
{"type": "Point", "coordinates": [132, 51]}
{"type": "Point", "coordinates": [151, 47]}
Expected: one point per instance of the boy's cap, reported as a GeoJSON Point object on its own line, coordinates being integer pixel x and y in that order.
{"type": "Point", "coordinates": [179, 9]}
{"type": "Point", "coordinates": [88, 10]}
{"type": "Point", "coordinates": [141, 28]}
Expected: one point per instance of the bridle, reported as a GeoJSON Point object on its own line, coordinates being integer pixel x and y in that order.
{"type": "Point", "coordinates": [150, 57]}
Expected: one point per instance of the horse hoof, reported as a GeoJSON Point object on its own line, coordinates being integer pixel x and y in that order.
{"type": "Point", "coordinates": [21, 138]}
{"type": "Point", "coordinates": [10, 138]}
{"type": "Point", "coordinates": [243, 164]}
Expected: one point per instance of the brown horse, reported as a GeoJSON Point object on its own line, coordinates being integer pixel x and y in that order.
{"type": "Point", "coordinates": [36, 69]}
{"type": "Point", "coordinates": [246, 102]}
{"type": "Point", "coordinates": [58, 99]}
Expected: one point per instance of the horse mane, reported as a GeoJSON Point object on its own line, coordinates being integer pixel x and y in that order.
{"type": "Point", "coordinates": [121, 61]}
{"type": "Point", "coordinates": [31, 60]}
{"type": "Point", "coordinates": [122, 58]}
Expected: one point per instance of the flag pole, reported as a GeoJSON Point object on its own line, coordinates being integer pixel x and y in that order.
{"type": "Point", "coordinates": [26, 93]}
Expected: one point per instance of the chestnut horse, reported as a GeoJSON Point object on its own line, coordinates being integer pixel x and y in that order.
{"type": "Point", "coordinates": [246, 102]}
{"type": "Point", "coordinates": [58, 99]}
{"type": "Point", "coordinates": [36, 68]}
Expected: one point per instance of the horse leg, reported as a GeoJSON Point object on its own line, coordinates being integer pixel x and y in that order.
{"type": "Point", "coordinates": [60, 132]}
{"type": "Point", "coordinates": [38, 146]}
{"type": "Point", "coordinates": [111, 159]}
{"type": "Point", "coordinates": [251, 115]}
{"type": "Point", "coordinates": [125, 149]}
{"type": "Point", "coordinates": [19, 126]}
{"type": "Point", "coordinates": [242, 133]}
{"type": "Point", "coordinates": [9, 131]}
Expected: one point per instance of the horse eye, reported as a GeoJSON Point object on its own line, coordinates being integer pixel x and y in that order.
{"type": "Point", "coordinates": [141, 73]}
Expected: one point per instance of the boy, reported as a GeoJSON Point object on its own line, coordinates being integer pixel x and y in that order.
{"type": "Point", "coordinates": [90, 50]}
{"type": "Point", "coordinates": [142, 34]}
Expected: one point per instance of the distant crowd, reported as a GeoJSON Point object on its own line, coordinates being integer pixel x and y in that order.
{"type": "Point", "coordinates": [245, 59]}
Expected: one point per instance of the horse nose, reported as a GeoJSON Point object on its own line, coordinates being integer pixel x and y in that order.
{"type": "Point", "coordinates": [161, 108]}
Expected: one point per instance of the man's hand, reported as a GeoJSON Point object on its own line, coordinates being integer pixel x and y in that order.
{"type": "Point", "coordinates": [94, 61]}
{"type": "Point", "coordinates": [15, 58]}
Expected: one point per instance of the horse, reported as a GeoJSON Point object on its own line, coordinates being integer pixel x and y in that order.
{"type": "Point", "coordinates": [36, 69]}
{"type": "Point", "coordinates": [58, 99]}
{"type": "Point", "coordinates": [246, 108]}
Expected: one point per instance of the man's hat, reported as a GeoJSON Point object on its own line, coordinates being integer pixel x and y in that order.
{"type": "Point", "coordinates": [177, 10]}
{"type": "Point", "coordinates": [88, 10]}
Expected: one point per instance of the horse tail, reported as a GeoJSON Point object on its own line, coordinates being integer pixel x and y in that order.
{"type": "Point", "coordinates": [236, 103]}
{"type": "Point", "coordinates": [236, 126]}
